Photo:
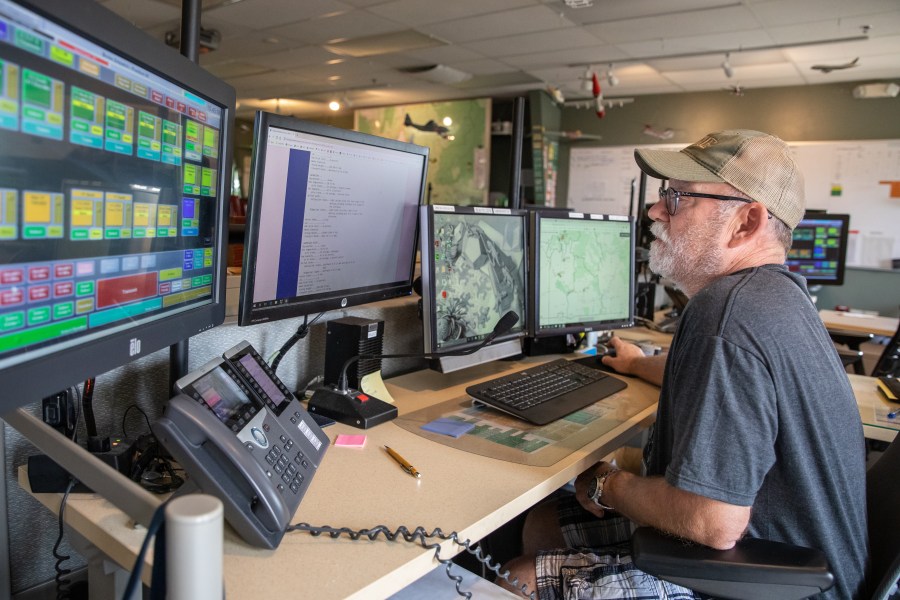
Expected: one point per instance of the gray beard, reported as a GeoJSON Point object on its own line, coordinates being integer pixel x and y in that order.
{"type": "Point", "coordinates": [690, 261]}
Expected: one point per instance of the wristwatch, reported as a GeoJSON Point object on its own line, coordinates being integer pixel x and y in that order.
{"type": "Point", "coordinates": [595, 491]}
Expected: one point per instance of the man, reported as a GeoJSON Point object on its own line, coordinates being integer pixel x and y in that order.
{"type": "Point", "coordinates": [757, 430]}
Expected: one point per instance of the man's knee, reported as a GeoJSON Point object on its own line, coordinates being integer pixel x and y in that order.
{"type": "Point", "coordinates": [521, 573]}
{"type": "Point", "coordinates": [541, 530]}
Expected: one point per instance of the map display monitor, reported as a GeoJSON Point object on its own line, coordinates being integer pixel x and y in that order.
{"type": "Point", "coordinates": [582, 276]}
{"type": "Point", "coordinates": [112, 233]}
{"type": "Point", "coordinates": [819, 249]}
{"type": "Point", "coordinates": [473, 272]}
{"type": "Point", "coordinates": [332, 219]}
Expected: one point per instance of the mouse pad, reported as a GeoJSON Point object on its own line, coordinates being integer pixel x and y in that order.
{"type": "Point", "coordinates": [498, 435]}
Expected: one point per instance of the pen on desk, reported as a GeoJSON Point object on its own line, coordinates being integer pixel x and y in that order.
{"type": "Point", "coordinates": [403, 462]}
{"type": "Point", "coordinates": [894, 413]}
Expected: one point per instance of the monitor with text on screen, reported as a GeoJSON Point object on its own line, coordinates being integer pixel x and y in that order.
{"type": "Point", "coordinates": [819, 248]}
{"type": "Point", "coordinates": [332, 219]}
{"type": "Point", "coordinates": [116, 157]}
{"type": "Point", "coordinates": [473, 272]}
{"type": "Point", "coordinates": [582, 275]}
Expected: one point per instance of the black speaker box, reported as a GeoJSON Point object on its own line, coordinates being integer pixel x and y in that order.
{"type": "Point", "coordinates": [348, 337]}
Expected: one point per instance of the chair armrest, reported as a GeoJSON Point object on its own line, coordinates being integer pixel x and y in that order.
{"type": "Point", "coordinates": [751, 570]}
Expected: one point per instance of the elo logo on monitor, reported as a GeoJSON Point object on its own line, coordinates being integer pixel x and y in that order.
{"type": "Point", "coordinates": [343, 303]}
{"type": "Point", "coordinates": [134, 346]}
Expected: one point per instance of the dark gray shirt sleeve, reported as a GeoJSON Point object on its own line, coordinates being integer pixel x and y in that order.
{"type": "Point", "coordinates": [736, 403]}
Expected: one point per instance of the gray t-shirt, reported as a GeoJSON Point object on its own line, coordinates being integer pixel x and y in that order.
{"type": "Point", "coordinates": [756, 410]}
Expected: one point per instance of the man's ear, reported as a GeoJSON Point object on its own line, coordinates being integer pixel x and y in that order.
{"type": "Point", "coordinates": [749, 221]}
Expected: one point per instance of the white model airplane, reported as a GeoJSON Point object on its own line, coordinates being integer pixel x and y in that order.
{"type": "Point", "coordinates": [830, 68]}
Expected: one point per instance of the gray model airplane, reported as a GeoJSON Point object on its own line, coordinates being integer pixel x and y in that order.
{"type": "Point", "coordinates": [830, 68]}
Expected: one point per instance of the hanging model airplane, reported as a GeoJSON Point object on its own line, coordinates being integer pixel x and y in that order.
{"type": "Point", "coordinates": [598, 102]}
{"type": "Point", "coordinates": [736, 90]}
{"type": "Point", "coordinates": [830, 68]}
{"type": "Point", "coordinates": [430, 127]}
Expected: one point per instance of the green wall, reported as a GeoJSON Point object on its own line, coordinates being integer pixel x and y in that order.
{"type": "Point", "coordinates": [802, 113]}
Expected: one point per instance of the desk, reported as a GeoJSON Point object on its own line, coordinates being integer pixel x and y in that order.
{"type": "Point", "coordinates": [859, 322]}
{"type": "Point", "coordinates": [470, 494]}
{"type": "Point", "coordinates": [873, 409]}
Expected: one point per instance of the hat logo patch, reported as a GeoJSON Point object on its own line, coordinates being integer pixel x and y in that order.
{"type": "Point", "coordinates": [705, 143]}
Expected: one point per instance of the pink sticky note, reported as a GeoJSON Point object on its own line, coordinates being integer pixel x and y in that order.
{"type": "Point", "coordinates": [350, 441]}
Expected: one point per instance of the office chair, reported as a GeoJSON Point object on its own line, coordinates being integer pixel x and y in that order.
{"type": "Point", "coordinates": [757, 568]}
{"type": "Point", "coordinates": [889, 362]}
{"type": "Point", "coordinates": [853, 355]}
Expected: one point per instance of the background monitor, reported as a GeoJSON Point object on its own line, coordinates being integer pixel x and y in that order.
{"type": "Point", "coordinates": [116, 158]}
{"type": "Point", "coordinates": [819, 249]}
{"type": "Point", "coordinates": [331, 221]}
{"type": "Point", "coordinates": [582, 273]}
{"type": "Point", "coordinates": [473, 272]}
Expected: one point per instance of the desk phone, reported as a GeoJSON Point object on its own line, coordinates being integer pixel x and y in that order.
{"type": "Point", "coordinates": [241, 436]}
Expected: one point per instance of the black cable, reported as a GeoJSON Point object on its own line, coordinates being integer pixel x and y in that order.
{"type": "Point", "coordinates": [301, 333]}
{"type": "Point", "coordinates": [140, 410]}
{"type": "Point", "coordinates": [419, 534]}
{"type": "Point", "coordinates": [62, 582]}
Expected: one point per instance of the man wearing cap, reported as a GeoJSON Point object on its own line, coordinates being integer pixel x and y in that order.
{"type": "Point", "coordinates": [757, 430]}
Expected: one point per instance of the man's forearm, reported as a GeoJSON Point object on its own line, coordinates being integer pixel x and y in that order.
{"type": "Point", "coordinates": [652, 501]}
{"type": "Point", "coordinates": [648, 368]}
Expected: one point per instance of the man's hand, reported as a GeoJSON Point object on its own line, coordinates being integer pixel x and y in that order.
{"type": "Point", "coordinates": [583, 483]}
{"type": "Point", "coordinates": [631, 360]}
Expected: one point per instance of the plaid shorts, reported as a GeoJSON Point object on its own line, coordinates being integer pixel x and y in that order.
{"type": "Point", "coordinates": [597, 563]}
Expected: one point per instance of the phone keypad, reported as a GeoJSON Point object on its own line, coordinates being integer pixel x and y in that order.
{"type": "Point", "coordinates": [290, 472]}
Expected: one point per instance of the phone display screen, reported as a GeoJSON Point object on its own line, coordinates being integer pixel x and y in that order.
{"type": "Point", "coordinates": [224, 396]}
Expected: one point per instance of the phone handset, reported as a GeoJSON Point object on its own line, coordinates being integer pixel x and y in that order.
{"type": "Point", "coordinates": [241, 436]}
{"type": "Point", "coordinates": [221, 465]}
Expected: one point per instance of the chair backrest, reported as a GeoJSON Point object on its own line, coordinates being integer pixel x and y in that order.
{"type": "Point", "coordinates": [883, 508]}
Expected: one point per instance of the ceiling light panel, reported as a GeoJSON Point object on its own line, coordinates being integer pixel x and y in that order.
{"type": "Point", "coordinates": [388, 43]}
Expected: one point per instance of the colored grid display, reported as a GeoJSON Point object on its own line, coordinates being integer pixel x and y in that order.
{"type": "Point", "coordinates": [107, 119]}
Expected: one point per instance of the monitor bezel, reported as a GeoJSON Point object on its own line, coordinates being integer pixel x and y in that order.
{"type": "Point", "coordinates": [33, 374]}
{"type": "Point", "coordinates": [534, 328]}
{"type": "Point", "coordinates": [250, 315]}
{"type": "Point", "coordinates": [842, 260]}
{"type": "Point", "coordinates": [429, 292]}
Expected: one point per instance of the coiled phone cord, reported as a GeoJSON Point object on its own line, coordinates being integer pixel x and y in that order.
{"type": "Point", "coordinates": [420, 535]}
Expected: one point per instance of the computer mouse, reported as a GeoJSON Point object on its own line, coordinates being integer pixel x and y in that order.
{"type": "Point", "coordinates": [596, 361]}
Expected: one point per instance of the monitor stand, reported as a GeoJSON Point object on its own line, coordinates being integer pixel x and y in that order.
{"type": "Point", "coordinates": [496, 351]}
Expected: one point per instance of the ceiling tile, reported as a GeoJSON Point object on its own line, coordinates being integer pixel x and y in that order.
{"type": "Point", "coordinates": [350, 25]}
{"type": "Point", "coordinates": [681, 25]}
{"type": "Point", "coordinates": [416, 12]}
{"type": "Point", "coordinates": [512, 22]}
{"type": "Point", "coordinates": [542, 41]}
{"type": "Point", "coordinates": [262, 14]}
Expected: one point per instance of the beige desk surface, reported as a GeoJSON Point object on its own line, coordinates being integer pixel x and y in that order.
{"type": "Point", "coordinates": [862, 323]}
{"type": "Point", "coordinates": [874, 409]}
{"type": "Point", "coordinates": [361, 488]}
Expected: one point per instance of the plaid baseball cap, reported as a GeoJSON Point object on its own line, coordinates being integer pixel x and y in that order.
{"type": "Point", "coordinates": [758, 164]}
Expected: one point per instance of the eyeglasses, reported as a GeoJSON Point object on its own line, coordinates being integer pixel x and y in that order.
{"type": "Point", "coordinates": [671, 198]}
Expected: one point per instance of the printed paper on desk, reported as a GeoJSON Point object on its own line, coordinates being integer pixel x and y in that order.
{"type": "Point", "coordinates": [450, 427]}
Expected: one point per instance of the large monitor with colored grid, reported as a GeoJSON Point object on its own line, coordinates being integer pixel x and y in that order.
{"type": "Point", "coordinates": [819, 249]}
{"type": "Point", "coordinates": [115, 155]}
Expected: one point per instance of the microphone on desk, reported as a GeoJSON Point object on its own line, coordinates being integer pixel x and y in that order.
{"type": "Point", "coordinates": [353, 407]}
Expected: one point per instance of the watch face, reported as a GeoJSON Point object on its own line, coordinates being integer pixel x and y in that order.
{"type": "Point", "coordinates": [592, 489]}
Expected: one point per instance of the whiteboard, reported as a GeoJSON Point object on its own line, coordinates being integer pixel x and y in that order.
{"type": "Point", "coordinates": [861, 178]}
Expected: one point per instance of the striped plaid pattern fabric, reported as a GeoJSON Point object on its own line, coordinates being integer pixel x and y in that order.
{"type": "Point", "coordinates": [597, 564]}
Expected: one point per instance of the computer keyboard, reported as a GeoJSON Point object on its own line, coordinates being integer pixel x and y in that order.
{"type": "Point", "coordinates": [546, 392]}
